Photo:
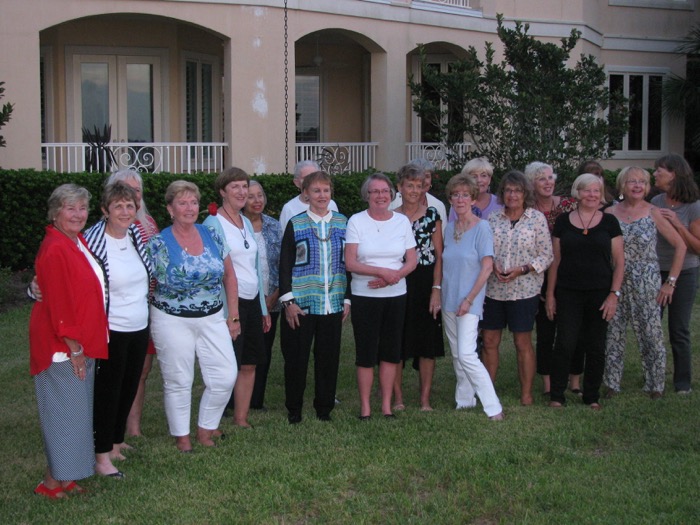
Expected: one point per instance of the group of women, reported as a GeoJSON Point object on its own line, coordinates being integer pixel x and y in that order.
{"type": "Point", "coordinates": [578, 268]}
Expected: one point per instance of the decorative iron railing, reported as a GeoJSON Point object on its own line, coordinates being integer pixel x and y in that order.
{"type": "Point", "coordinates": [339, 157]}
{"type": "Point", "coordinates": [436, 153]}
{"type": "Point", "coordinates": [172, 157]}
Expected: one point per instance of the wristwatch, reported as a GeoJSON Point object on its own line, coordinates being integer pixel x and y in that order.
{"type": "Point", "coordinates": [617, 293]}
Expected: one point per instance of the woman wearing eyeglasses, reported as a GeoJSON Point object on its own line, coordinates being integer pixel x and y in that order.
{"type": "Point", "coordinates": [380, 253]}
{"type": "Point", "coordinates": [467, 262]}
{"type": "Point", "coordinates": [642, 289]}
{"type": "Point", "coordinates": [522, 252]}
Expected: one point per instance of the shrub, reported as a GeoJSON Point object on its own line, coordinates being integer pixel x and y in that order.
{"type": "Point", "coordinates": [24, 193]}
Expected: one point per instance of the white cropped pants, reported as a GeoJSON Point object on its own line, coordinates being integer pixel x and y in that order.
{"type": "Point", "coordinates": [178, 340]}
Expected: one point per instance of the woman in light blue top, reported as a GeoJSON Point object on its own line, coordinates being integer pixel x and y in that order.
{"type": "Point", "coordinates": [467, 262]}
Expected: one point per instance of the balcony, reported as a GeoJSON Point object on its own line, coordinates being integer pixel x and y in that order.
{"type": "Point", "coordinates": [171, 157]}
{"type": "Point", "coordinates": [436, 153]}
{"type": "Point", "coordinates": [339, 157]}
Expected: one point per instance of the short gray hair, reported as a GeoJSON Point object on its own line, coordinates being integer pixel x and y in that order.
{"type": "Point", "coordinates": [251, 184]}
{"type": "Point", "coordinates": [305, 164]}
{"type": "Point", "coordinates": [364, 190]}
{"type": "Point", "coordinates": [66, 194]}
{"type": "Point", "coordinates": [583, 181]}
{"type": "Point", "coordinates": [534, 170]}
{"type": "Point", "coordinates": [424, 164]}
{"type": "Point", "coordinates": [478, 164]}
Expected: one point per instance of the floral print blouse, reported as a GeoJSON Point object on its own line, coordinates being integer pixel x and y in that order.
{"type": "Point", "coordinates": [188, 285]}
{"type": "Point", "coordinates": [526, 241]}
{"type": "Point", "coordinates": [423, 230]}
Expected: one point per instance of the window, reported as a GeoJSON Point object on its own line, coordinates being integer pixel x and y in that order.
{"type": "Point", "coordinates": [308, 107]}
{"type": "Point", "coordinates": [424, 131]}
{"type": "Point", "coordinates": [688, 5]}
{"type": "Point", "coordinates": [117, 87]}
{"type": "Point", "coordinates": [646, 133]}
{"type": "Point", "coordinates": [200, 98]}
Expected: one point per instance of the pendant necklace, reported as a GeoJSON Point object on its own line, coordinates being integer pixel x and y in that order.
{"type": "Point", "coordinates": [586, 226]}
{"type": "Point", "coordinates": [244, 234]}
{"type": "Point", "coordinates": [122, 243]}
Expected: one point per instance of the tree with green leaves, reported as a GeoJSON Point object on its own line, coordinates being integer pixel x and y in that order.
{"type": "Point", "coordinates": [681, 96]}
{"type": "Point", "coordinates": [5, 113]}
{"type": "Point", "coordinates": [529, 106]}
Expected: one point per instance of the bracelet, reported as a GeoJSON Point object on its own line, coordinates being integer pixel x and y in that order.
{"type": "Point", "coordinates": [78, 353]}
{"type": "Point", "coordinates": [234, 319]}
{"type": "Point", "coordinates": [285, 304]}
{"type": "Point", "coordinates": [526, 269]}
{"type": "Point", "coordinates": [468, 300]}
{"type": "Point", "coordinates": [437, 287]}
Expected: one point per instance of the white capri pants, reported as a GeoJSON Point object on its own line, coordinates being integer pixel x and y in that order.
{"type": "Point", "coordinates": [472, 377]}
{"type": "Point", "coordinates": [177, 341]}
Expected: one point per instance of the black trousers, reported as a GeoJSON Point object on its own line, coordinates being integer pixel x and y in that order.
{"type": "Point", "coordinates": [116, 383]}
{"type": "Point", "coordinates": [324, 331]}
{"type": "Point", "coordinates": [579, 318]}
{"type": "Point", "coordinates": [261, 371]}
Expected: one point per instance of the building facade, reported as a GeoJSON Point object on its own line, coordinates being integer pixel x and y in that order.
{"type": "Point", "coordinates": [186, 85]}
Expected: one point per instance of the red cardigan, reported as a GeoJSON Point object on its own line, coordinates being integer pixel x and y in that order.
{"type": "Point", "coordinates": [72, 303]}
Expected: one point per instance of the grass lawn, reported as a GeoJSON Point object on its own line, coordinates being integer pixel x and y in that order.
{"type": "Point", "coordinates": [635, 462]}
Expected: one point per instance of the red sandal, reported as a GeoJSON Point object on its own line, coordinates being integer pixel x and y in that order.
{"type": "Point", "coordinates": [73, 487]}
{"type": "Point", "coordinates": [56, 493]}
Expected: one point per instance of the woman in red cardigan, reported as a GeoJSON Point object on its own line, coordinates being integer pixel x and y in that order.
{"type": "Point", "coordinates": [67, 332]}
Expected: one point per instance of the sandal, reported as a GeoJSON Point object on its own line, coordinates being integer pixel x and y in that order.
{"type": "Point", "coordinates": [399, 407]}
{"type": "Point", "coordinates": [56, 493]}
{"type": "Point", "coordinates": [73, 487]}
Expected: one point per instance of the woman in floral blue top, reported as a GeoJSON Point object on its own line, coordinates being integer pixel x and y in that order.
{"type": "Point", "coordinates": [187, 316]}
{"type": "Point", "coordinates": [268, 235]}
{"type": "Point", "coordinates": [422, 331]}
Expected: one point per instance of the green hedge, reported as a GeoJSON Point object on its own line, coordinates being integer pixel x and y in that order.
{"type": "Point", "coordinates": [24, 193]}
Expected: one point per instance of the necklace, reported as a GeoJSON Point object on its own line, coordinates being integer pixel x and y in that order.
{"type": "Point", "coordinates": [457, 234]}
{"type": "Point", "coordinates": [121, 245]}
{"type": "Point", "coordinates": [244, 234]}
{"type": "Point", "coordinates": [376, 224]}
{"type": "Point", "coordinates": [586, 226]}
{"type": "Point", "coordinates": [322, 239]}
{"type": "Point", "coordinates": [539, 208]}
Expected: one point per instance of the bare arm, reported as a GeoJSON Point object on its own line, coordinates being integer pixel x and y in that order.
{"type": "Point", "coordinates": [550, 301]}
{"type": "Point", "coordinates": [231, 290]}
{"type": "Point", "coordinates": [609, 306]}
{"type": "Point", "coordinates": [674, 238]}
{"type": "Point", "coordinates": [435, 295]}
{"type": "Point", "coordinates": [387, 275]}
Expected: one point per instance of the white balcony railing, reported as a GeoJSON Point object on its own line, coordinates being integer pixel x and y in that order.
{"type": "Point", "coordinates": [339, 157]}
{"type": "Point", "coordinates": [436, 153]}
{"type": "Point", "coordinates": [454, 3]}
{"type": "Point", "coordinates": [172, 157]}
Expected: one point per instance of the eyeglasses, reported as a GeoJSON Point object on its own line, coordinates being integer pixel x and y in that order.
{"type": "Point", "coordinates": [633, 182]}
{"type": "Point", "coordinates": [513, 191]}
{"type": "Point", "coordinates": [385, 191]}
{"type": "Point", "coordinates": [463, 196]}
